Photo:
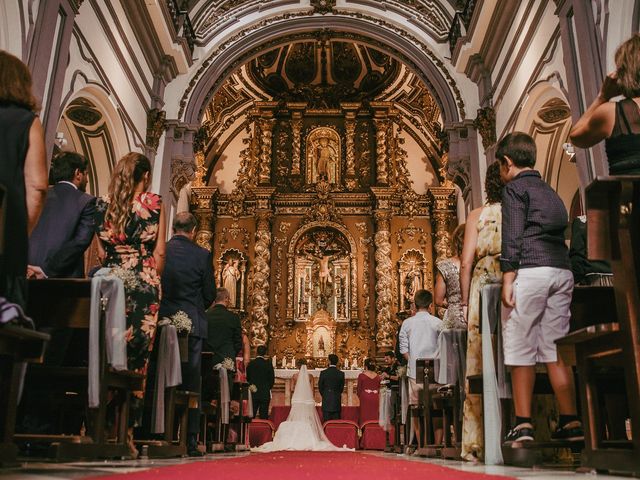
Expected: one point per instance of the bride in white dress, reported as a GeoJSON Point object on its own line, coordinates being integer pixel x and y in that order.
{"type": "Point", "coordinates": [302, 430]}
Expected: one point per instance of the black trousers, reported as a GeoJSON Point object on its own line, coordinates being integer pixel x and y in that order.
{"type": "Point", "coordinates": [330, 415]}
{"type": "Point", "coordinates": [261, 408]}
{"type": "Point", "coordinates": [192, 381]}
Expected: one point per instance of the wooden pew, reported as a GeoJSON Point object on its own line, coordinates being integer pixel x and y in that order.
{"type": "Point", "coordinates": [17, 345]}
{"type": "Point", "coordinates": [607, 346]}
{"type": "Point", "coordinates": [213, 433]}
{"type": "Point", "coordinates": [59, 303]}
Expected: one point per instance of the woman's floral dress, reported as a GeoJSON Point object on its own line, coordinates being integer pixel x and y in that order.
{"type": "Point", "coordinates": [130, 255]}
{"type": "Point", "coordinates": [486, 270]}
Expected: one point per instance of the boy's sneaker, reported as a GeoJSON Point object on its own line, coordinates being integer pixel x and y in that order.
{"type": "Point", "coordinates": [520, 433]}
{"type": "Point", "coordinates": [571, 432]}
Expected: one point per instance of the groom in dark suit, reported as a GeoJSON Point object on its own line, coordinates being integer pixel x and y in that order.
{"type": "Point", "coordinates": [260, 373]}
{"type": "Point", "coordinates": [330, 386]}
{"type": "Point", "coordinates": [188, 285]}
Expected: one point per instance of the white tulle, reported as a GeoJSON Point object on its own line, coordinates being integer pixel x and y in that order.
{"type": "Point", "coordinates": [302, 430]}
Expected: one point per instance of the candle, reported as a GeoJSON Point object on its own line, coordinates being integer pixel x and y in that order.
{"type": "Point", "coordinates": [293, 363]}
{"type": "Point", "coordinates": [346, 363]}
{"type": "Point", "coordinates": [274, 362]}
{"type": "Point", "coordinates": [284, 362]}
{"type": "Point", "coordinates": [355, 364]}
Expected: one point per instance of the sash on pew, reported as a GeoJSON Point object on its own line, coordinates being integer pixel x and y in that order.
{"type": "Point", "coordinates": [168, 371]}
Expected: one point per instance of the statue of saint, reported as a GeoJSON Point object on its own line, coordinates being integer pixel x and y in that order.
{"type": "Point", "coordinates": [230, 277]}
{"type": "Point", "coordinates": [324, 160]}
{"type": "Point", "coordinates": [412, 283]}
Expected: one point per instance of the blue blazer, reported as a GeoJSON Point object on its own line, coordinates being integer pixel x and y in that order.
{"type": "Point", "coordinates": [63, 233]}
{"type": "Point", "coordinates": [188, 283]}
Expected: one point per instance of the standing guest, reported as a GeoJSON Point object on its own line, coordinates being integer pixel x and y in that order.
{"type": "Point", "coordinates": [23, 175]}
{"type": "Point", "coordinates": [225, 330]}
{"type": "Point", "coordinates": [479, 266]}
{"type": "Point", "coordinates": [260, 373]}
{"type": "Point", "coordinates": [447, 288]}
{"type": "Point", "coordinates": [67, 223]}
{"type": "Point", "coordinates": [390, 371]}
{"type": "Point", "coordinates": [330, 386]}
{"type": "Point", "coordinates": [368, 390]}
{"type": "Point", "coordinates": [537, 285]}
{"type": "Point", "coordinates": [618, 123]}
{"type": "Point", "coordinates": [130, 224]}
{"type": "Point", "coordinates": [188, 285]}
{"type": "Point", "coordinates": [419, 339]}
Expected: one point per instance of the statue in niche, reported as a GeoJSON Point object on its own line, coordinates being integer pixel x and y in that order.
{"type": "Point", "coordinates": [323, 156]}
{"type": "Point", "coordinates": [413, 283]}
{"type": "Point", "coordinates": [230, 277]}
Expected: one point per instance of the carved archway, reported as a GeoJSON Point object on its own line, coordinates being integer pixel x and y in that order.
{"type": "Point", "coordinates": [352, 313]}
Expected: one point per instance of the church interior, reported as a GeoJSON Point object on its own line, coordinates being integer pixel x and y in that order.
{"type": "Point", "coordinates": [328, 151]}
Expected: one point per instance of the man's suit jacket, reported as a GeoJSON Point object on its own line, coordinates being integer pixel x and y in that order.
{"type": "Point", "coordinates": [330, 386]}
{"type": "Point", "coordinates": [188, 283]}
{"type": "Point", "coordinates": [64, 231]}
{"type": "Point", "coordinates": [225, 333]}
{"type": "Point", "coordinates": [260, 373]}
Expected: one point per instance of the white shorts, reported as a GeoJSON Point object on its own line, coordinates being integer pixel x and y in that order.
{"type": "Point", "coordinates": [540, 317]}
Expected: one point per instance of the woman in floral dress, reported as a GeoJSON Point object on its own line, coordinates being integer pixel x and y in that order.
{"type": "Point", "coordinates": [130, 225]}
{"type": "Point", "coordinates": [481, 251]}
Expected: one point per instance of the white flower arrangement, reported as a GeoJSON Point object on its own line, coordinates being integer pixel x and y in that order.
{"type": "Point", "coordinates": [253, 388]}
{"type": "Point", "coordinates": [181, 321]}
{"type": "Point", "coordinates": [128, 277]}
{"type": "Point", "coordinates": [402, 370]}
{"type": "Point", "coordinates": [228, 364]}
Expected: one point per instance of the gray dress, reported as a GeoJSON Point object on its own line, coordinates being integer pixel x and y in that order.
{"type": "Point", "coordinates": [453, 317]}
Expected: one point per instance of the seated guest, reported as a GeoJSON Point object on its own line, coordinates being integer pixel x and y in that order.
{"type": "Point", "coordinates": [537, 285]}
{"type": "Point", "coordinates": [260, 374]}
{"type": "Point", "coordinates": [66, 226]}
{"type": "Point", "coordinates": [188, 286]}
{"type": "Point", "coordinates": [447, 288]}
{"type": "Point", "coordinates": [130, 224]}
{"type": "Point", "coordinates": [479, 266]}
{"type": "Point", "coordinates": [224, 337]}
{"type": "Point", "coordinates": [368, 391]}
{"type": "Point", "coordinates": [419, 339]}
{"type": "Point", "coordinates": [57, 244]}
{"type": "Point", "coordinates": [330, 386]}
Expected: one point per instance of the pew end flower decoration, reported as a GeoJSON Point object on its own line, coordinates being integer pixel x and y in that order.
{"type": "Point", "coordinates": [253, 388]}
{"type": "Point", "coordinates": [228, 364]}
{"type": "Point", "coordinates": [182, 322]}
{"type": "Point", "coordinates": [402, 371]}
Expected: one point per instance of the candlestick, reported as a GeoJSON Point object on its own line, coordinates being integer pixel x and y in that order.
{"type": "Point", "coordinates": [293, 363]}
{"type": "Point", "coordinates": [274, 362]}
{"type": "Point", "coordinates": [284, 362]}
{"type": "Point", "coordinates": [346, 363]}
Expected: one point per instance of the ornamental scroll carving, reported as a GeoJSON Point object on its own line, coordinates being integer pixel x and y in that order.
{"type": "Point", "coordinates": [485, 123]}
{"type": "Point", "coordinates": [296, 128]}
{"type": "Point", "coordinates": [382, 175]}
{"type": "Point", "coordinates": [261, 275]}
{"type": "Point", "coordinates": [385, 334]}
{"type": "Point", "coordinates": [443, 214]}
{"type": "Point", "coordinates": [266, 139]}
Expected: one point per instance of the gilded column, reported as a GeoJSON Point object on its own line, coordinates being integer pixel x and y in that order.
{"type": "Point", "coordinates": [385, 333]}
{"type": "Point", "coordinates": [351, 109]}
{"type": "Point", "coordinates": [443, 213]}
{"type": "Point", "coordinates": [296, 129]}
{"type": "Point", "coordinates": [261, 267]}
{"type": "Point", "coordinates": [202, 207]}
{"type": "Point", "coordinates": [382, 174]}
{"type": "Point", "coordinates": [266, 134]}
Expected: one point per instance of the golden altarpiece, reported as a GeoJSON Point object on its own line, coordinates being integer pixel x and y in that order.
{"type": "Point", "coordinates": [323, 241]}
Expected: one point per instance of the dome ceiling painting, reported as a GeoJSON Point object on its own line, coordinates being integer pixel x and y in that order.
{"type": "Point", "coordinates": [324, 73]}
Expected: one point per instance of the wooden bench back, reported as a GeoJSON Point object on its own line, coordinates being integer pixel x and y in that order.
{"type": "Point", "coordinates": [60, 302]}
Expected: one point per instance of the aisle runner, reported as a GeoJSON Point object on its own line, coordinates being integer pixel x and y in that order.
{"type": "Point", "coordinates": [306, 466]}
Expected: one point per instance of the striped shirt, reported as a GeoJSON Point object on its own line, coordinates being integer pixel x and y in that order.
{"type": "Point", "coordinates": [534, 220]}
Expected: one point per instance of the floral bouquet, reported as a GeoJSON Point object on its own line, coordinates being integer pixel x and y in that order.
{"type": "Point", "coordinates": [182, 322]}
{"type": "Point", "coordinates": [253, 388]}
{"type": "Point", "coordinates": [127, 276]}
{"type": "Point", "coordinates": [228, 364]}
{"type": "Point", "coordinates": [402, 371]}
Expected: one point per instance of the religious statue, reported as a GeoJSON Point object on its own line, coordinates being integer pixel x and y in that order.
{"type": "Point", "coordinates": [321, 347]}
{"type": "Point", "coordinates": [412, 283]}
{"type": "Point", "coordinates": [323, 156]}
{"type": "Point", "coordinates": [325, 160]}
{"type": "Point", "coordinates": [230, 277]}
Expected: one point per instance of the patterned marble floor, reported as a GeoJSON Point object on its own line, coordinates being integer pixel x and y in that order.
{"type": "Point", "coordinates": [80, 470]}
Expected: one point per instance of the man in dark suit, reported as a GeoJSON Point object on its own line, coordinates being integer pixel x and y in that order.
{"type": "Point", "coordinates": [58, 242]}
{"type": "Point", "coordinates": [66, 227]}
{"type": "Point", "coordinates": [260, 373]}
{"type": "Point", "coordinates": [188, 285]}
{"type": "Point", "coordinates": [330, 386]}
{"type": "Point", "coordinates": [225, 330]}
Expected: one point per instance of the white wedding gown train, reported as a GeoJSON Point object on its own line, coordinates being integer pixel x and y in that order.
{"type": "Point", "coordinates": [302, 430]}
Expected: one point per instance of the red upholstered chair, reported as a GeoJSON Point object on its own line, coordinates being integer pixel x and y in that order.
{"type": "Point", "coordinates": [374, 437]}
{"type": "Point", "coordinates": [342, 432]}
{"type": "Point", "coordinates": [260, 431]}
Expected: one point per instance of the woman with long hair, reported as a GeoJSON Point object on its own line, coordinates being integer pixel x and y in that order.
{"type": "Point", "coordinates": [447, 288]}
{"type": "Point", "coordinates": [479, 266]}
{"type": "Point", "coordinates": [130, 225]}
{"type": "Point", "coordinates": [23, 176]}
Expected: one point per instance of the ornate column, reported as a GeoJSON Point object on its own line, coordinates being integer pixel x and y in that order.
{"type": "Point", "coordinates": [262, 267]}
{"type": "Point", "coordinates": [266, 123]}
{"type": "Point", "coordinates": [296, 128]}
{"type": "Point", "coordinates": [382, 123]}
{"type": "Point", "coordinates": [386, 326]}
{"type": "Point", "coordinates": [350, 109]}
{"type": "Point", "coordinates": [202, 205]}
{"type": "Point", "coordinates": [443, 213]}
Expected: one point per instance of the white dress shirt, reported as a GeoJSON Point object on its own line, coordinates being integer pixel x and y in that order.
{"type": "Point", "coordinates": [419, 338]}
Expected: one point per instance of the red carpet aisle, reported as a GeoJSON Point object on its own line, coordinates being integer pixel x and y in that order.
{"type": "Point", "coordinates": [306, 466]}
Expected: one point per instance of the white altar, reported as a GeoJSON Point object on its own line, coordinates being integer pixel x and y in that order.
{"type": "Point", "coordinates": [284, 375]}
